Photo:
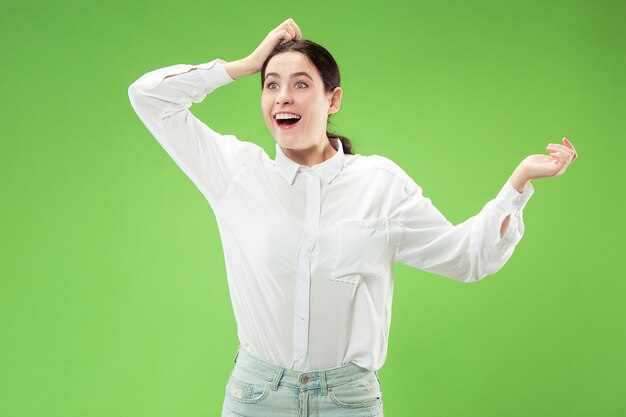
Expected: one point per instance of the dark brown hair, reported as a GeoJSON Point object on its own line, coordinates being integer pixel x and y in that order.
{"type": "Point", "coordinates": [326, 66]}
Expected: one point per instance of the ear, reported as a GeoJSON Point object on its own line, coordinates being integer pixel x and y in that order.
{"type": "Point", "coordinates": [335, 100]}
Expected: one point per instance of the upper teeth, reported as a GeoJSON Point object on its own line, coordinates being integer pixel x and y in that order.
{"type": "Point", "coordinates": [287, 116]}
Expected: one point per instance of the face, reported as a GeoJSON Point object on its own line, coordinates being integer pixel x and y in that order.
{"type": "Point", "coordinates": [293, 85]}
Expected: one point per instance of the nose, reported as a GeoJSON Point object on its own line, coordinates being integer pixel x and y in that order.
{"type": "Point", "coordinates": [283, 96]}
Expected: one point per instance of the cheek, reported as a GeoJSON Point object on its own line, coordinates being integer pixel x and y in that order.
{"type": "Point", "coordinates": [265, 109]}
{"type": "Point", "coordinates": [318, 117]}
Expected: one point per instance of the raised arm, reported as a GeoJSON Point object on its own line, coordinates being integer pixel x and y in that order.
{"type": "Point", "coordinates": [162, 99]}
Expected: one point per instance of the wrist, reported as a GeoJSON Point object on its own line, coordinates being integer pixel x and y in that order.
{"type": "Point", "coordinates": [519, 179]}
{"type": "Point", "coordinates": [239, 68]}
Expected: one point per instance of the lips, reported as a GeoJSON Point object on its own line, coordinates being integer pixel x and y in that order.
{"type": "Point", "coordinates": [286, 126]}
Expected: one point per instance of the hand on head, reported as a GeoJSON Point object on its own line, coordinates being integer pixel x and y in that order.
{"type": "Point", "coordinates": [286, 31]}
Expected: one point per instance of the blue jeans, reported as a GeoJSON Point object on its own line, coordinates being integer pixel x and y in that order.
{"type": "Point", "coordinates": [261, 389]}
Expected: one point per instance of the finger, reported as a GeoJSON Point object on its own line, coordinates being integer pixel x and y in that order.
{"type": "Point", "coordinates": [569, 146]}
{"type": "Point", "coordinates": [284, 36]}
{"type": "Point", "coordinates": [569, 153]}
{"type": "Point", "coordinates": [558, 147]}
{"type": "Point", "coordinates": [555, 157]}
{"type": "Point", "coordinates": [568, 143]}
{"type": "Point", "coordinates": [290, 30]}
{"type": "Point", "coordinates": [297, 29]}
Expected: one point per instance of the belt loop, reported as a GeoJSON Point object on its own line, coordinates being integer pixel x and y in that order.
{"type": "Point", "coordinates": [236, 354]}
{"type": "Point", "coordinates": [277, 378]}
{"type": "Point", "coordinates": [323, 385]}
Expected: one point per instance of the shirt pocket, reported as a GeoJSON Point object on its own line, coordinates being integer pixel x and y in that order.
{"type": "Point", "coordinates": [358, 249]}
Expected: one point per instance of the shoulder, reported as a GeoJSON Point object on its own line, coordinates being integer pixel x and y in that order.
{"type": "Point", "coordinates": [253, 155]}
{"type": "Point", "coordinates": [373, 167]}
{"type": "Point", "coordinates": [245, 147]}
{"type": "Point", "coordinates": [381, 165]}
{"type": "Point", "coordinates": [250, 147]}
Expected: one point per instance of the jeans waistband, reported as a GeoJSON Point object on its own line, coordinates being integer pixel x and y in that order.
{"type": "Point", "coordinates": [318, 379]}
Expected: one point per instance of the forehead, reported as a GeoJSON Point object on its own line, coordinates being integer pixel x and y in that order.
{"type": "Point", "coordinates": [287, 63]}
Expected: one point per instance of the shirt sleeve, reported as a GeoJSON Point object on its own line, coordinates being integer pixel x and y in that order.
{"type": "Point", "coordinates": [468, 251]}
{"type": "Point", "coordinates": [209, 159]}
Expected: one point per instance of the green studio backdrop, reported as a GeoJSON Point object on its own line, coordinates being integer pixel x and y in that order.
{"type": "Point", "coordinates": [113, 292]}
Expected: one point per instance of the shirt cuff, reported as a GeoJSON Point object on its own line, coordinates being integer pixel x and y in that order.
{"type": "Point", "coordinates": [513, 200]}
{"type": "Point", "coordinates": [215, 75]}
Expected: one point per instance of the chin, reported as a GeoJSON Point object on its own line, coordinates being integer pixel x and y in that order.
{"type": "Point", "coordinates": [286, 142]}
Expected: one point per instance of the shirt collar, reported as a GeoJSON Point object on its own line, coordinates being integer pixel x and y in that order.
{"type": "Point", "coordinates": [328, 169]}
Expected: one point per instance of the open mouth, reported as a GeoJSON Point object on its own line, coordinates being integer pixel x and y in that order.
{"type": "Point", "coordinates": [287, 123]}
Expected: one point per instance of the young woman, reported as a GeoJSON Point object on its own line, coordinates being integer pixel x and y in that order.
{"type": "Point", "coordinates": [311, 236]}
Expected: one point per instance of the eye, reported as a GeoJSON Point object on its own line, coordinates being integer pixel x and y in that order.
{"type": "Point", "coordinates": [269, 85]}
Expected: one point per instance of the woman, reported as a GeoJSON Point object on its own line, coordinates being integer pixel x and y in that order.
{"type": "Point", "coordinates": [310, 237]}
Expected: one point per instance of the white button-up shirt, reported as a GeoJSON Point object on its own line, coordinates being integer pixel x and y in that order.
{"type": "Point", "coordinates": [309, 251]}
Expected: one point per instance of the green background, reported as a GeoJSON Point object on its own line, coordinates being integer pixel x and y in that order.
{"type": "Point", "coordinates": [113, 293]}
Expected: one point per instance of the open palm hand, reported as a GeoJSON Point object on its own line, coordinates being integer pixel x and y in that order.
{"type": "Point", "coordinates": [555, 164]}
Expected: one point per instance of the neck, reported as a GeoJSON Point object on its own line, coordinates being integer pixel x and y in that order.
{"type": "Point", "coordinates": [314, 155]}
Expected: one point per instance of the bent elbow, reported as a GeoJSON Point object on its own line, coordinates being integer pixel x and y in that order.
{"type": "Point", "coordinates": [134, 91]}
{"type": "Point", "coordinates": [479, 268]}
{"type": "Point", "coordinates": [472, 271]}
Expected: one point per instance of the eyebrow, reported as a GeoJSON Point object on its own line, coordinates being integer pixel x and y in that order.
{"type": "Point", "coordinates": [295, 74]}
